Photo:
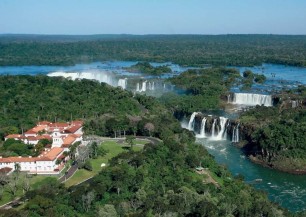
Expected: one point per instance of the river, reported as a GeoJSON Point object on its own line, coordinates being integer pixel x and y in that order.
{"type": "Point", "coordinates": [286, 189]}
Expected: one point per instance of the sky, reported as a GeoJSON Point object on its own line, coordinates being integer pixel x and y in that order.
{"type": "Point", "coordinates": [85, 17]}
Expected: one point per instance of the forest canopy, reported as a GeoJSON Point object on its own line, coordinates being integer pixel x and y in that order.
{"type": "Point", "coordinates": [192, 50]}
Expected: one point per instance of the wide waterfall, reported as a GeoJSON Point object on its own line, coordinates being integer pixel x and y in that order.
{"type": "Point", "coordinates": [221, 133]}
{"type": "Point", "coordinates": [106, 77]}
{"type": "Point", "coordinates": [252, 99]}
{"type": "Point", "coordinates": [235, 136]}
{"type": "Point", "coordinates": [191, 121]}
{"type": "Point", "coordinates": [213, 128]}
{"type": "Point", "coordinates": [122, 83]}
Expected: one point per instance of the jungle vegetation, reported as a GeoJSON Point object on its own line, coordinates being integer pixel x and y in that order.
{"type": "Point", "coordinates": [204, 89]}
{"type": "Point", "coordinates": [191, 50]}
{"type": "Point", "coordinates": [160, 180]}
{"type": "Point", "coordinates": [147, 68]}
{"type": "Point", "coordinates": [276, 136]}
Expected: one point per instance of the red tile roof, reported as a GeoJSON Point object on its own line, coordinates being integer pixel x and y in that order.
{"type": "Point", "coordinates": [5, 170]}
{"type": "Point", "coordinates": [48, 156]}
{"type": "Point", "coordinates": [59, 125]}
{"type": "Point", "coordinates": [51, 155]}
{"type": "Point", "coordinates": [36, 129]}
{"type": "Point", "coordinates": [14, 136]}
{"type": "Point", "coordinates": [45, 123]}
{"type": "Point", "coordinates": [69, 140]}
{"type": "Point", "coordinates": [73, 129]}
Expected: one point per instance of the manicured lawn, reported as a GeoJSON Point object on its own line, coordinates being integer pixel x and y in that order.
{"type": "Point", "coordinates": [35, 181]}
{"type": "Point", "coordinates": [113, 150]}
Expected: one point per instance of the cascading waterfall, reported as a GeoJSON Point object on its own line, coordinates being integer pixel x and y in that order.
{"type": "Point", "coordinates": [252, 99]}
{"type": "Point", "coordinates": [225, 131]}
{"type": "Point", "coordinates": [137, 87]}
{"type": "Point", "coordinates": [122, 82]}
{"type": "Point", "coordinates": [294, 104]}
{"type": "Point", "coordinates": [213, 129]}
{"type": "Point", "coordinates": [220, 135]}
{"type": "Point", "coordinates": [191, 121]}
{"type": "Point", "coordinates": [151, 85]}
{"type": "Point", "coordinates": [202, 132]}
{"type": "Point", "coordinates": [219, 128]}
{"type": "Point", "coordinates": [144, 86]}
{"type": "Point", "coordinates": [235, 136]}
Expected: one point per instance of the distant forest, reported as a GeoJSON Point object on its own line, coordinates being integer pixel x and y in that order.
{"type": "Point", "coordinates": [192, 50]}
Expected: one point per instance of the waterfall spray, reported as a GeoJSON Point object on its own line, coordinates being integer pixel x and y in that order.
{"type": "Point", "coordinates": [223, 121]}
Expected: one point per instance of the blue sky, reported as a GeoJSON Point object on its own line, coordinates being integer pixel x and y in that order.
{"type": "Point", "coordinates": [153, 16]}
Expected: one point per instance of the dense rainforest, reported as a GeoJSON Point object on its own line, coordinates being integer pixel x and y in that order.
{"type": "Point", "coordinates": [161, 180]}
{"type": "Point", "coordinates": [275, 136]}
{"type": "Point", "coordinates": [192, 50]}
{"type": "Point", "coordinates": [147, 68]}
{"type": "Point", "coordinates": [26, 100]}
{"type": "Point", "coordinates": [205, 89]}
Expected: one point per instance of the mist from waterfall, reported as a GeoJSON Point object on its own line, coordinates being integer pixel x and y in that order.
{"type": "Point", "coordinates": [122, 83]}
{"type": "Point", "coordinates": [221, 133]}
{"type": "Point", "coordinates": [104, 76]}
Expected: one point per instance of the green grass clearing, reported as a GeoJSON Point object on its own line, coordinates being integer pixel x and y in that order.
{"type": "Point", "coordinates": [113, 150]}
{"type": "Point", "coordinates": [35, 181]}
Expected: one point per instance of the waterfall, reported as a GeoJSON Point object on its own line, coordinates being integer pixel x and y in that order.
{"type": "Point", "coordinates": [223, 121]}
{"type": "Point", "coordinates": [164, 86]}
{"type": "Point", "coordinates": [191, 121]}
{"type": "Point", "coordinates": [295, 104]}
{"type": "Point", "coordinates": [228, 98]}
{"type": "Point", "coordinates": [219, 127]}
{"type": "Point", "coordinates": [151, 85]}
{"type": "Point", "coordinates": [213, 129]}
{"type": "Point", "coordinates": [137, 87]}
{"type": "Point", "coordinates": [235, 135]}
{"type": "Point", "coordinates": [144, 86]}
{"type": "Point", "coordinates": [225, 131]}
{"type": "Point", "coordinates": [252, 99]}
{"type": "Point", "coordinates": [202, 132]}
{"type": "Point", "coordinates": [122, 83]}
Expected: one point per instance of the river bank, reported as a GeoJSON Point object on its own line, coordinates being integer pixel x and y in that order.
{"type": "Point", "coordinates": [276, 166]}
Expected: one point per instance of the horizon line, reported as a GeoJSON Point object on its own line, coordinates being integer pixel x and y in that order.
{"type": "Point", "coordinates": [150, 34]}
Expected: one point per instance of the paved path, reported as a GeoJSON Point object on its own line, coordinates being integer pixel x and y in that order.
{"type": "Point", "coordinates": [153, 140]}
{"type": "Point", "coordinates": [69, 173]}
{"type": "Point", "coordinates": [10, 204]}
